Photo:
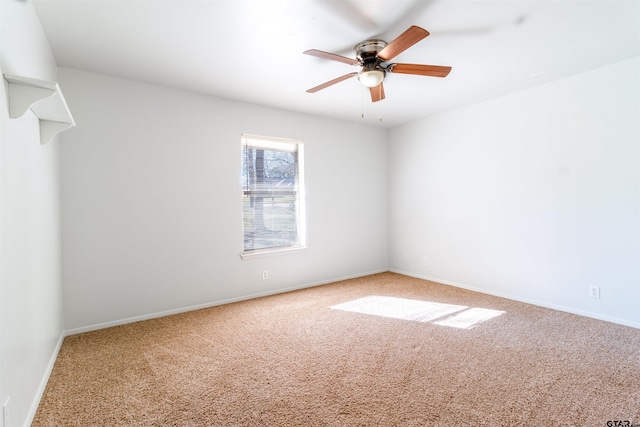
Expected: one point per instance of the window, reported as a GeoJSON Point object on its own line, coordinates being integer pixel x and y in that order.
{"type": "Point", "coordinates": [272, 194]}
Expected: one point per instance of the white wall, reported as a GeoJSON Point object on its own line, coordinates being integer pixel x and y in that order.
{"type": "Point", "coordinates": [534, 196]}
{"type": "Point", "coordinates": [151, 201]}
{"type": "Point", "coordinates": [30, 243]}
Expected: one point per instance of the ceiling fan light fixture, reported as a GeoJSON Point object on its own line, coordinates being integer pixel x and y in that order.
{"type": "Point", "coordinates": [371, 78]}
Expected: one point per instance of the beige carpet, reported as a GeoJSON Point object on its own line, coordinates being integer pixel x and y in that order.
{"type": "Point", "coordinates": [463, 359]}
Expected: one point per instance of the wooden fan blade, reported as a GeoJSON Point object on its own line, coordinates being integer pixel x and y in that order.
{"type": "Point", "coordinates": [403, 42]}
{"type": "Point", "coordinates": [331, 82]}
{"type": "Point", "coordinates": [331, 56]}
{"type": "Point", "coordinates": [377, 93]}
{"type": "Point", "coordinates": [420, 70]}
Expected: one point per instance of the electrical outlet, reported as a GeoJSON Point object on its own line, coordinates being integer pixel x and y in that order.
{"type": "Point", "coordinates": [265, 274]}
{"type": "Point", "coordinates": [594, 291]}
{"type": "Point", "coordinates": [404, 259]}
{"type": "Point", "coordinates": [6, 418]}
{"type": "Point", "coordinates": [425, 261]}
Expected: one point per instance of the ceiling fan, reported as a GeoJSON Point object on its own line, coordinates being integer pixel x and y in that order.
{"type": "Point", "coordinates": [372, 55]}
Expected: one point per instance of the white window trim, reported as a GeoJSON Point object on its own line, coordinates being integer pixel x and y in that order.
{"type": "Point", "coordinates": [286, 250]}
{"type": "Point", "coordinates": [264, 253]}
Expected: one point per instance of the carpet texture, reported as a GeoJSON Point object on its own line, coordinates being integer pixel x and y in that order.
{"type": "Point", "coordinates": [293, 360]}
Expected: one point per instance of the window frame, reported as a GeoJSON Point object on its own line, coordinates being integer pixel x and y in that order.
{"type": "Point", "coordinates": [277, 144]}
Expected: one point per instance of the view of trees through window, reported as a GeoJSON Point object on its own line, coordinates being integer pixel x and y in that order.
{"type": "Point", "coordinates": [270, 180]}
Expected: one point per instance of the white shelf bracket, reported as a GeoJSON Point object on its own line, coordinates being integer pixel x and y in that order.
{"type": "Point", "coordinates": [45, 100]}
{"type": "Point", "coordinates": [49, 129]}
{"type": "Point", "coordinates": [22, 97]}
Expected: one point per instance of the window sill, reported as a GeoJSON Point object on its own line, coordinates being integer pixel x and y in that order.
{"type": "Point", "coordinates": [272, 252]}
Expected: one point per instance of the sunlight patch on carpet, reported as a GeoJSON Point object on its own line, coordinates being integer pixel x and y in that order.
{"type": "Point", "coordinates": [399, 308]}
{"type": "Point", "coordinates": [419, 311]}
{"type": "Point", "coordinates": [469, 318]}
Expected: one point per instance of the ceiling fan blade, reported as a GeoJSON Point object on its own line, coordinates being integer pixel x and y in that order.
{"type": "Point", "coordinates": [331, 82]}
{"type": "Point", "coordinates": [403, 42]}
{"type": "Point", "coordinates": [420, 70]}
{"type": "Point", "coordinates": [377, 93]}
{"type": "Point", "coordinates": [331, 56]}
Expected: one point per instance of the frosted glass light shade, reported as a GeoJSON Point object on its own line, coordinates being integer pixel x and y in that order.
{"type": "Point", "coordinates": [371, 78]}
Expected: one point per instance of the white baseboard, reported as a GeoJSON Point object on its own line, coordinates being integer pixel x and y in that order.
{"type": "Point", "coordinates": [104, 325]}
{"type": "Point", "coordinates": [538, 303]}
{"type": "Point", "coordinates": [43, 382]}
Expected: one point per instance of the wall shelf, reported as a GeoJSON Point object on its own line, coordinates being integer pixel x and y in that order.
{"type": "Point", "coordinates": [44, 99]}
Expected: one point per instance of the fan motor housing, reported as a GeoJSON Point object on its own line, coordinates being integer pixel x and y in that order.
{"type": "Point", "coordinates": [366, 52]}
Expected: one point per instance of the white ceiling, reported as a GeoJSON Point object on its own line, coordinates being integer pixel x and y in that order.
{"type": "Point", "coordinates": [251, 50]}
